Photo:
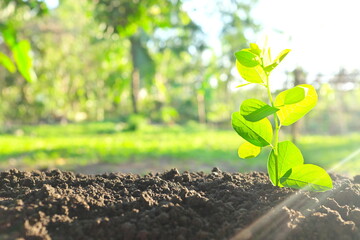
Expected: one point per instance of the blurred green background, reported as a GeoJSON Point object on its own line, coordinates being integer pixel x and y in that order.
{"type": "Point", "coordinates": [136, 86]}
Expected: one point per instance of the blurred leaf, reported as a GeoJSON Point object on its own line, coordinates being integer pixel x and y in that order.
{"type": "Point", "coordinates": [258, 133]}
{"type": "Point", "coordinates": [184, 18]}
{"type": "Point", "coordinates": [254, 110]}
{"type": "Point", "coordinates": [266, 53]}
{"type": "Point", "coordinates": [23, 60]}
{"type": "Point", "coordinates": [288, 114]}
{"type": "Point", "coordinates": [248, 150]}
{"type": "Point", "coordinates": [9, 35]}
{"type": "Point", "coordinates": [254, 48]}
{"type": "Point", "coordinates": [242, 85]}
{"type": "Point", "coordinates": [7, 63]}
{"type": "Point", "coordinates": [288, 156]}
{"type": "Point", "coordinates": [128, 30]}
{"type": "Point", "coordinates": [277, 60]}
{"type": "Point", "coordinates": [307, 176]}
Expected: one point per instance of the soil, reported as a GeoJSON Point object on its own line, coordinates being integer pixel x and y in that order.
{"type": "Point", "coordinates": [172, 205]}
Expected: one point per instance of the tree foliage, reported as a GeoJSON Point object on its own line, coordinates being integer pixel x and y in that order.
{"type": "Point", "coordinates": [85, 69]}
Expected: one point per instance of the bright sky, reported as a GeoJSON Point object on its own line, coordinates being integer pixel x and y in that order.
{"type": "Point", "coordinates": [323, 34]}
{"type": "Point", "coordinates": [52, 3]}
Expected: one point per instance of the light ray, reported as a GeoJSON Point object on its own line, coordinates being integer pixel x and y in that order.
{"type": "Point", "coordinates": [345, 160]}
{"type": "Point", "coordinates": [271, 225]}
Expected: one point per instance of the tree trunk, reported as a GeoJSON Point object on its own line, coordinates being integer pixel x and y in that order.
{"type": "Point", "coordinates": [299, 78]}
{"type": "Point", "coordinates": [201, 107]}
{"type": "Point", "coordinates": [135, 82]}
{"type": "Point", "coordinates": [135, 75]}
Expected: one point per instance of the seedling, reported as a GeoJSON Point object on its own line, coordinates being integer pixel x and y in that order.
{"type": "Point", "coordinates": [285, 164]}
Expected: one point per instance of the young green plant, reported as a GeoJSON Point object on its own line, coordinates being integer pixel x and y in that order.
{"type": "Point", "coordinates": [285, 164]}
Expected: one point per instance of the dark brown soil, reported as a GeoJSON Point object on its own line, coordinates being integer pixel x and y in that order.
{"type": "Point", "coordinates": [219, 205]}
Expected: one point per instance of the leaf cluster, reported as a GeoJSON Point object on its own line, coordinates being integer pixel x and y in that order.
{"type": "Point", "coordinates": [21, 53]}
{"type": "Point", "coordinates": [285, 165]}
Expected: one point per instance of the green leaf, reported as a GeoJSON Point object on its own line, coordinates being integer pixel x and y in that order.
{"type": "Point", "coordinates": [258, 133]}
{"type": "Point", "coordinates": [254, 110]}
{"type": "Point", "coordinates": [308, 176]}
{"type": "Point", "coordinates": [251, 74]}
{"type": "Point", "coordinates": [288, 156]}
{"type": "Point", "coordinates": [282, 55]}
{"type": "Point", "coordinates": [294, 95]}
{"type": "Point", "coordinates": [288, 114]}
{"type": "Point", "coordinates": [254, 48]}
{"type": "Point", "coordinates": [242, 85]}
{"type": "Point", "coordinates": [7, 63]}
{"type": "Point", "coordinates": [248, 150]}
{"type": "Point", "coordinates": [247, 58]}
{"type": "Point", "coordinates": [277, 60]}
{"type": "Point", "coordinates": [23, 60]}
{"type": "Point", "coordinates": [266, 53]}
{"type": "Point", "coordinates": [9, 36]}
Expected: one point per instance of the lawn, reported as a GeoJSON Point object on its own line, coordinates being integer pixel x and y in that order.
{"type": "Point", "coordinates": [183, 147]}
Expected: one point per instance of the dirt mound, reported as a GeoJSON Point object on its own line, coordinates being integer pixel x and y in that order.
{"type": "Point", "coordinates": [172, 205]}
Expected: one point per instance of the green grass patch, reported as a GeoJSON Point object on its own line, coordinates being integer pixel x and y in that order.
{"type": "Point", "coordinates": [89, 143]}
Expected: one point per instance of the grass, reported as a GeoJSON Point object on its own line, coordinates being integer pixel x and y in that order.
{"type": "Point", "coordinates": [90, 143]}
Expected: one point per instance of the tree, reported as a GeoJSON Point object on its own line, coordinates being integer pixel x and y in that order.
{"type": "Point", "coordinates": [137, 21]}
{"type": "Point", "coordinates": [15, 51]}
{"type": "Point", "coordinates": [82, 69]}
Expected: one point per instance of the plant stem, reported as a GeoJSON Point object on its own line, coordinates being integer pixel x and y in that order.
{"type": "Point", "coordinates": [276, 133]}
